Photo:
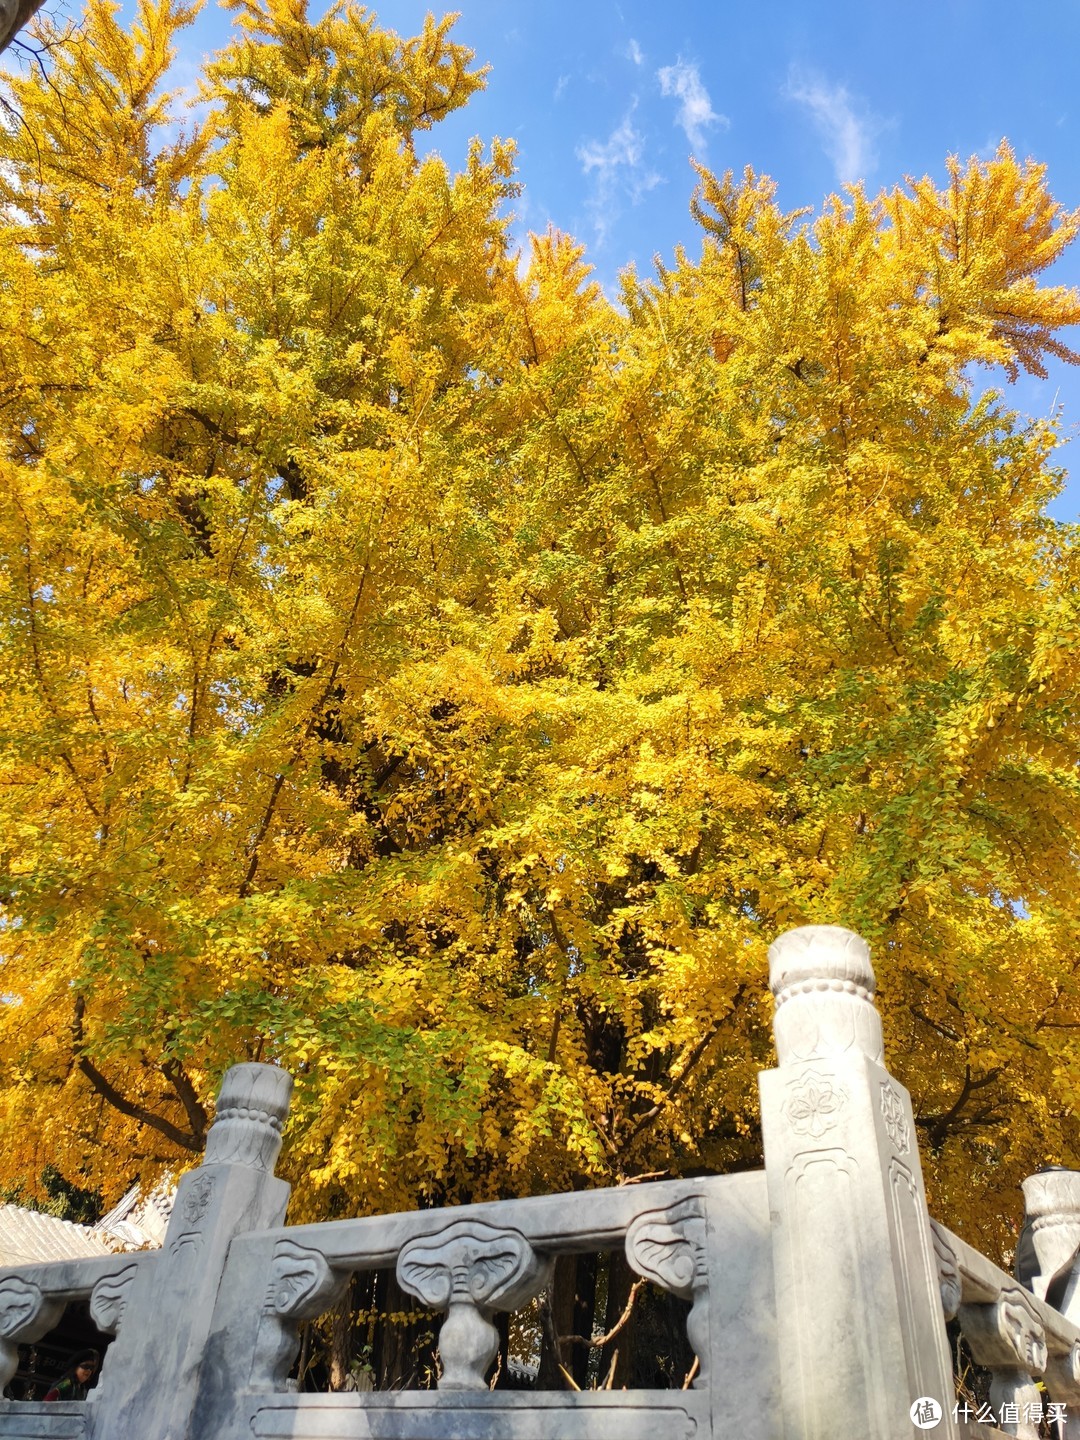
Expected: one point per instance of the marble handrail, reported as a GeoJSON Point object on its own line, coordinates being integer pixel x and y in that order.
{"type": "Point", "coordinates": [32, 1298]}
{"type": "Point", "coordinates": [1010, 1330]}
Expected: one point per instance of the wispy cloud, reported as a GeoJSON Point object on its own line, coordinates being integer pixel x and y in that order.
{"type": "Point", "coordinates": [847, 127]}
{"type": "Point", "coordinates": [635, 53]}
{"type": "Point", "coordinates": [619, 171]}
{"type": "Point", "coordinates": [682, 82]}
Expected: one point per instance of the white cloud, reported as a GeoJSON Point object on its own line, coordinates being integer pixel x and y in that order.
{"type": "Point", "coordinates": [618, 170]}
{"type": "Point", "coordinates": [634, 53]}
{"type": "Point", "coordinates": [847, 128]}
{"type": "Point", "coordinates": [682, 81]}
{"type": "Point", "coordinates": [625, 147]}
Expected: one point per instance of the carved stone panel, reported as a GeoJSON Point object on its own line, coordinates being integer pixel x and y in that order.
{"type": "Point", "coordinates": [109, 1296]}
{"type": "Point", "coordinates": [948, 1273]}
{"type": "Point", "coordinates": [470, 1269]}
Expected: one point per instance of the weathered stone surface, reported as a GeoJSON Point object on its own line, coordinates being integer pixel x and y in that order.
{"type": "Point", "coordinates": [858, 1304]}
{"type": "Point", "coordinates": [26, 1313]}
{"type": "Point", "coordinates": [151, 1373]}
{"type": "Point", "coordinates": [1048, 1253]}
{"type": "Point", "coordinates": [14, 14]}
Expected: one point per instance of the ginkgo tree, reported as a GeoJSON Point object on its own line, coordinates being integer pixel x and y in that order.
{"type": "Point", "coordinates": [426, 674]}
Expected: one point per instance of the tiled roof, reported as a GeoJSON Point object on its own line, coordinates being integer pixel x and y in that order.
{"type": "Point", "coordinates": [28, 1237]}
{"type": "Point", "coordinates": [140, 1220]}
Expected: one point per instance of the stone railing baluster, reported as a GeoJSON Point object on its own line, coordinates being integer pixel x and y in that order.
{"type": "Point", "coordinates": [1009, 1340]}
{"type": "Point", "coordinates": [668, 1247]}
{"type": "Point", "coordinates": [470, 1269]}
{"type": "Point", "coordinates": [26, 1314]}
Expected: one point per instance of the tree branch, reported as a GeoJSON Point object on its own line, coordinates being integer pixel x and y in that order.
{"type": "Point", "coordinates": [180, 1081]}
{"type": "Point", "coordinates": [109, 1092]}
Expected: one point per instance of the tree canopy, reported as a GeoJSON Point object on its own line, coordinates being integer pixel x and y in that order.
{"type": "Point", "coordinates": [426, 673]}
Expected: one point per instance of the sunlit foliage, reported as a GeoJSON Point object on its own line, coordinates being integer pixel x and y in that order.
{"type": "Point", "coordinates": [425, 673]}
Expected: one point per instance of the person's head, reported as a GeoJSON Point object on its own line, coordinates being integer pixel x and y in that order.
{"type": "Point", "coordinates": [84, 1366]}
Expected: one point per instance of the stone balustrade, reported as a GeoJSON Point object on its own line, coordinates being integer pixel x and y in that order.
{"type": "Point", "coordinates": [818, 1287]}
{"type": "Point", "coordinates": [1011, 1331]}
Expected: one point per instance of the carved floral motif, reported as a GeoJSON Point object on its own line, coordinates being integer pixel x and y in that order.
{"type": "Point", "coordinates": [895, 1117]}
{"type": "Point", "coordinates": [814, 1104]}
{"type": "Point", "coordinates": [198, 1193]}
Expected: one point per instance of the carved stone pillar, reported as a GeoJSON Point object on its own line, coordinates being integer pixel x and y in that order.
{"type": "Point", "coordinates": [1047, 1255]}
{"type": "Point", "coordinates": [470, 1269]}
{"type": "Point", "coordinates": [859, 1312]}
{"type": "Point", "coordinates": [151, 1372]}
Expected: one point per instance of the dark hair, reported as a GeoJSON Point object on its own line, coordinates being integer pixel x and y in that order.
{"type": "Point", "coordinates": [84, 1357]}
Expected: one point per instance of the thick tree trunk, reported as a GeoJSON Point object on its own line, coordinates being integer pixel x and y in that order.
{"type": "Point", "coordinates": [584, 1311]}
{"type": "Point", "coordinates": [618, 1350]}
{"type": "Point", "coordinates": [14, 14]}
{"type": "Point", "coordinates": [557, 1321]}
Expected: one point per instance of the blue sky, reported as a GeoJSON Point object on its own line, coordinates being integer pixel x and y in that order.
{"type": "Point", "coordinates": [608, 100]}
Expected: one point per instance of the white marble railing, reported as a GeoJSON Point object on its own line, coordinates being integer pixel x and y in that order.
{"type": "Point", "coordinates": [1014, 1334]}
{"type": "Point", "coordinates": [704, 1240]}
{"type": "Point", "coordinates": [818, 1287]}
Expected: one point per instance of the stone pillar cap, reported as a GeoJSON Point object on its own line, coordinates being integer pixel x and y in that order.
{"type": "Point", "coordinates": [1053, 1190]}
{"type": "Point", "coordinates": [825, 957]}
{"type": "Point", "coordinates": [252, 1106]}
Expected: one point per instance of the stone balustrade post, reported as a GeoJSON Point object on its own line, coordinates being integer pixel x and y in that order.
{"type": "Point", "coordinates": [860, 1322]}
{"type": "Point", "coordinates": [151, 1372]}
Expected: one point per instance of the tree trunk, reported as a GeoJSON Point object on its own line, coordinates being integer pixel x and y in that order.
{"type": "Point", "coordinates": [620, 1281]}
